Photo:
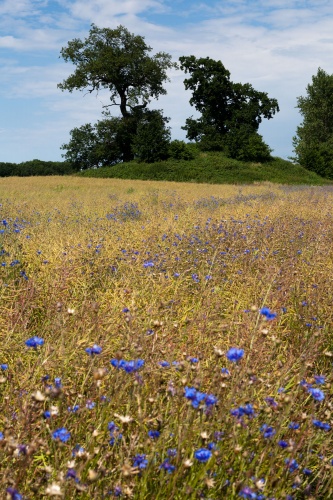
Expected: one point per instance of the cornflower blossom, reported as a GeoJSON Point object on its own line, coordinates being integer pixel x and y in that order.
{"type": "Point", "coordinates": [267, 313]}
{"type": "Point", "coordinates": [34, 342]}
{"type": "Point", "coordinates": [95, 349]}
{"type": "Point", "coordinates": [321, 425]}
{"type": "Point", "coordinates": [153, 434]}
{"type": "Point", "coordinates": [267, 431]}
{"type": "Point", "coordinates": [196, 397]}
{"type": "Point", "coordinates": [247, 410]}
{"type": "Point", "coordinates": [291, 464]}
{"type": "Point", "coordinates": [319, 379]}
{"type": "Point", "coordinates": [249, 494]}
{"type": "Point", "coordinates": [4, 367]}
{"type": "Point", "coordinates": [62, 434]}
{"type": "Point", "coordinates": [317, 394]}
{"type": "Point", "coordinates": [202, 455]}
{"type": "Point", "coordinates": [128, 366]}
{"type": "Point", "coordinates": [235, 354]}
{"type": "Point", "coordinates": [164, 364]}
{"type": "Point", "coordinates": [140, 461]}
{"type": "Point", "coordinates": [167, 466]}
{"type": "Point", "coordinates": [14, 494]}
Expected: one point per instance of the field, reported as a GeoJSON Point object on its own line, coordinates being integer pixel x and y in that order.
{"type": "Point", "coordinates": [164, 340]}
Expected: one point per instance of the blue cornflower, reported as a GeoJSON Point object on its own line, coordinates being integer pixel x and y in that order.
{"type": "Point", "coordinates": [248, 493]}
{"type": "Point", "coordinates": [62, 434]}
{"type": "Point", "coordinates": [210, 400]}
{"type": "Point", "coordinates": [71, 474]}
{"type": "Point", "coordinates": [194, 396]}
{"type": "Point", "coordinates": [317, 394]}
{"type": "Point", "coordinates": [153, 434]}
{"type": "Point", "coordinates": [90, 405]}
{"type": "Point", "coordinates": [78, 450]}
{"type": "Point", "coordinates": [34, 342]}
{"type": "Point", "coordinates": [267, 431]}
{"type": "Point", "coordinates": [1, 436]}
{"type": "Point", "coordinates": [4, 367]}
{"type": "Point", "coordinates": [307, 471]}
{"type": "Point", "coordinates": [283, 444]}
{"type": "Point", "coordinates": [294, 426]}
{"type": "Point", "coordinates": [95, 349]}
{"type": "Point", "coordinates": [267, 313]}
{"type": "Point", "coordinates": [321, 425]}
{"type": "Point", "coordinates": [225, 371]}
{"type": "Point", "coordinates": [271, 402]}
{"type": "Point", "coordinates": [57, 382]}
{"type": "Point", "coordinates": [148, 263]}
{"type": "Point", "coordinates": [167, 466]}
{"type": "Point", "coordinates": [172, 452]}
{"type": "Point", "coordinates": [234, 354]}
{"type": "Point", "coordinates": [239, 412]}
{"type": "Point", "coordinates": [14, 494]}
{"type": "Point", "coordinates": [203, 454]}
{"type": "Point", "coordinates": [134, 365]}
{"type": "Point", "coordinates": [193, 360]}
{"type": "Point", "coordinates": [46, 414]}
{"type": "Point", "coordinates": [125, 310]}
{"type": "Point", "coordinates": [291, 464]}
{"type": "Point", "coordinates": [319, 379]}
{"type": "Point", "coordinates": [74, 409]}
{"type": "Point", "coordinates": [140, 461]}
{"type": "Point", "coordinates": [164, 364]}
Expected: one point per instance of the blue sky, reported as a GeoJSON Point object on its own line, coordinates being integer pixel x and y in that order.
{"type": "Point", "coordinates": [276, 45]}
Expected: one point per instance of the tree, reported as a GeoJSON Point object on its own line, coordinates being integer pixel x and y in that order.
{"type": "Point", "coordinates": [103, 144]}
{"type": "Point", "coordinates": [119, 61]}
{"type": "Point", "coordinates": [230, 112]}
{"type": "Point", "coordinates": [313, 143]}
{"type": "Point", "coordinates": [152, 139]}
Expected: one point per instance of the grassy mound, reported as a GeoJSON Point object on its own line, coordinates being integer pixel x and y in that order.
{"type": "Point", "coordinates": [212, 168]}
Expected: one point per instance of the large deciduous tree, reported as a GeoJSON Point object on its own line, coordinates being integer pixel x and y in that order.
{"type": "Point", "coordinates": [230, 112]}
{"type": "Point", "coordinates": [119, 61]}
{"type": "Point", "coordinates": [313, 143]}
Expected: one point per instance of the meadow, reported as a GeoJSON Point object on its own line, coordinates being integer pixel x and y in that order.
{"type": "Point", "coordinates": [165, 341]}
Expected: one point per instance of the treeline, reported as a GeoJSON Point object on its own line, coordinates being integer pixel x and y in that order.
{"type": "Point", "coordinates": [35, 167]}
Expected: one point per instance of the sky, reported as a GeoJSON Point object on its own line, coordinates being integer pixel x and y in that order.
{"type": "Point", "coordinates": [276, 45]}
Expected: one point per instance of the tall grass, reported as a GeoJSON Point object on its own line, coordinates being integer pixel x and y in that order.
{"type": "Point", "coordinates": [120, 302]}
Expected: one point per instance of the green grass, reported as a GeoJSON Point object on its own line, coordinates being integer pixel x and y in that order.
{"type": "Point", "coordinates": [214, 168]}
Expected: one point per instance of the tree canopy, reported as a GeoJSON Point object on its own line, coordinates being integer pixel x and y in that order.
{"type": "Point", "coordinates": [313, 143]}
{"type": "Point", "coordinates": [119, 61]}
{"type": "Point", "coordinates": [230, 112]}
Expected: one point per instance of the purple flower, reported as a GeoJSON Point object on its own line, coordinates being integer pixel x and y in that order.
{"type": "Point", "coordinates": [283, 444]}
{"type": "Point", "coordinates": [62, 434]}
{"type": "Point", "coordinates": [317, 394]}
{"type": "Point", "coordinates": [267, 431]}
{"type": "Point", "coordinates": [319, 379]}
{"type": "Point", "coordinates": [203, 454]}
{"type": "Point", "coordinates": [167, 466]}
{"type": "Point", "coordinates": [95, 349]}
{"type": "Point", "coordinates": [164, 364]}
{"type": "Point", "coordinates": [34, 342]}
{"type": "Point", "coordinates": [321, 425]}
{"type": "Point", "coordinates": [153, 434]}
{"type": "Point", "coordinates": [140, 461]}
{"type": "Point", "coordinates": [234, 354]}
{"type": "Point", "coordinates": [248, 493]}
{"type": "Point", "coordinates": [267, 313]}
{"type": "Point", "coordinates": [14, 494]}
{"type": "Point", "coordinates": [291, 464]}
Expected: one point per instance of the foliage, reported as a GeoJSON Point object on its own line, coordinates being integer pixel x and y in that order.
{"type": "Point", "coordinates": [179, 150]}
{"type": "Point", "coordinates": [35, 167]}
{"type": "Point", "coordinates": [313, 143]}
{"type": "Point", "coordinates": [119, 61]}
{"type": "Point", "coordinates": [171, 342]}
{"type": "Point", "coordinates": [230, 112]}
{"type": "Point", "coordinates": [211, 167]}
{"type": "Point", "coordinates": [152, 137]}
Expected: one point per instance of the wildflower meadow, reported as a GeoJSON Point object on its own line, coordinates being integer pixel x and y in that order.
{"type": "Point", "coordinates": [164, 340]}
